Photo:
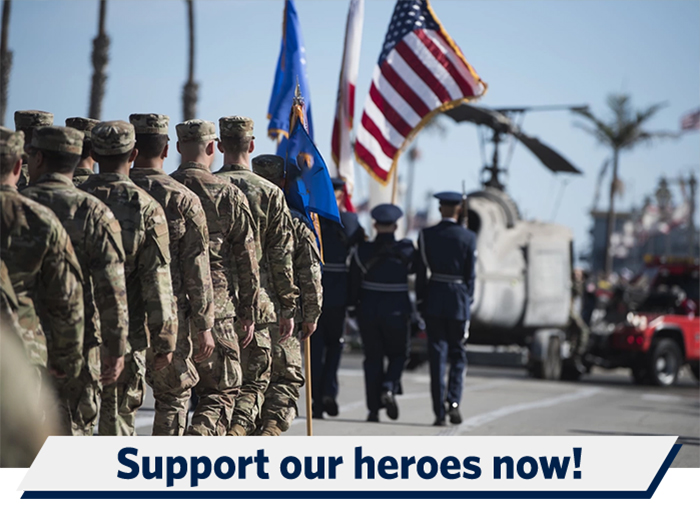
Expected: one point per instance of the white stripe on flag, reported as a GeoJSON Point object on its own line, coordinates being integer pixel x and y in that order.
{"type": "Point", "coordinates": [413, 81]}
{"type": "Point", "coordinates": [435, 66]}
{"type": "Point", "coordinates": [373, 147]}
{"type": "Point", "coordinates": [387, 130]}
{"type": "Point", "coordinates": [401, 106]}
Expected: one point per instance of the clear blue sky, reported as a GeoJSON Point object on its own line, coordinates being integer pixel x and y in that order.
{"type": "Point", "coordinates": [529, 52]}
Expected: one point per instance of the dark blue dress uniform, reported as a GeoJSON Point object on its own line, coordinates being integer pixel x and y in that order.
{"type": "Point", "coordinates": [326, 342]}
{"type": "Point", "coordinates": [444, 292]}
{"type": "Point", "coordinates": [379, 273]}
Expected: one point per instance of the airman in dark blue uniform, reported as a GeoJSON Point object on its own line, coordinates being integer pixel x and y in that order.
{"type": "Point", "coordinates": [327, 342]}
{"type": "Point", "coordinates": [379, 288]}
{"type": "Point", "coordinates": [444, 293]}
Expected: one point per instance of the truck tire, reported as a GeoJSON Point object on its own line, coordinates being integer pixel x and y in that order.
{"type": "Point", "coordinates": [554, 359]}
{"type": "Point", "coordinates": [545, 355]}
{"type": "Point", "coordinates": [665, 363]}
{"type": "Point", "coordinates": [695, 369]}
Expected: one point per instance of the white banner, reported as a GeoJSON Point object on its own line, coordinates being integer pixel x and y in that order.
{"type": "Point", "coordinates": [350, 467]}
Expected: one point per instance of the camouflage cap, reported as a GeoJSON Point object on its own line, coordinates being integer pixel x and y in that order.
{"type": "Point", "coordinates": [11, 142]}
{"type": "Point", "coordinates": [29, 119]}
{"type": "Point", "coordinates": [58, 139]}
{"type": "Point", "coordinates": [235, 126]}
{"type": "Point", "coordinates": [196, 130]}
{"type": "Point", "coordinates": [269, 166]}
{"type": "Point", "coordinates": [150, 123]}
{"type": "Point", "coordinates": [84, 124]}
{"type": "Point", "coordinates": [113, 137]}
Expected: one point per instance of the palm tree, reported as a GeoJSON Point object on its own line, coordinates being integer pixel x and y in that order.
{"type": "Point", "coordinates": [5, 59]}
{"type": "Point", "coordinates": [189, 92]}
{"type": "Point", "coordinates": [624, 130]}
{"type": "Point", "coordinates": [100, 58]}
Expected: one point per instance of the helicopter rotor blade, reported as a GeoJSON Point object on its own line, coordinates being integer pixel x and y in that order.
{"type": "Point", "coordinates": [552, 159]}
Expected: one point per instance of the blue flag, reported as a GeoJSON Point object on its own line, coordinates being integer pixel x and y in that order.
{"type": "Point", "coordinates": [291, 67]}
{"type": "Point", "coordinates": [309, 188]}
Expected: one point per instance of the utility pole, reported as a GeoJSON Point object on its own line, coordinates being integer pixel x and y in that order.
{"type": "Point", "coordinates": [100, 58]}
{"type": "Point", "coordinates": [693, 183]}
{"type": "Point", "coordinates": [189, 92]}
{"type": "Point", "coordinates": [5, 59]}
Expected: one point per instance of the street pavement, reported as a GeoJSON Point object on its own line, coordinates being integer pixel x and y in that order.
{"type": "Point", "coordinates": [505, 401]}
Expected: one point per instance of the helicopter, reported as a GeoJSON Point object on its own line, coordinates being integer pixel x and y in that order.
{"type": "Point", "coordinates": [524, 269]}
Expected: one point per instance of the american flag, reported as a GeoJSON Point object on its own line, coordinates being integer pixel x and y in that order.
{"type": "Point", "coordinates": [421, 71]}
{"type": "Point", "coordinates": [691, 121]}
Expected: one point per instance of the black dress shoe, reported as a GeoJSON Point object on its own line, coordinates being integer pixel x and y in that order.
{"type": "Point", "coordinates": [330, 406]}
{"type": "Point", "coordinates": [440, 423]}
{"type": "Point", "coordinates": [389, 402]}
{"type": "Point", "coordinates": [373, 417]}
{"type": "Point", "coordinates": [317, 414]}
{"type": "Point", "coordinates": [454, 414]}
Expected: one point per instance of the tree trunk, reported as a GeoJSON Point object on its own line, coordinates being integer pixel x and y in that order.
{"type": "Point", "coordinates": [189, 93]}
{"type": "Point", "coordinates": [100, 58]}
{"type": "Point", "coordinates": [5, 60]}
{"type": "Point", "coordinates": [611, 218]}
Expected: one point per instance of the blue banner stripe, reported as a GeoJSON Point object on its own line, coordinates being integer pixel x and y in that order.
{"type": "Point", "coordinates": [368, 495]}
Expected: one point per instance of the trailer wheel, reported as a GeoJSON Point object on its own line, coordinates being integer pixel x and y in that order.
{"type": "Point", "coordinates": [554, 358]}
{"type": "Point", "coordinates": [545, 355]}
{"type": "Point", "coordinates": [665, 363]}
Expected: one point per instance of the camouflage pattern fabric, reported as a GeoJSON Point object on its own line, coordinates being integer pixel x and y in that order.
{"type": "Point", "coordinates": [27, 121]}
{"type": "Point", "coordinates": [80, 175]}
{"type": "Point", "coordinates": [274, 245]}
{"type": "Point", "coordinates": [96, 237]}
{"type": "Point", "coordinates": [45, 274]}
{"type": "Point", "coordinates": [148, 286]}
{"type": "Point", "coordinates": [220, 379]}
{"type": "Point", "coordinates": [287, 377]}
{"type": "Point", "coordinates": [192, 286]}
{"type": "Point", "coordinates": [8, 299]}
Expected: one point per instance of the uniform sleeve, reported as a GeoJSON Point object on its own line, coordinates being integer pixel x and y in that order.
{"type": "Point", "coordinates": [194, 266]}
{"type": "Point", "coordinates": [242, 240]}
{"type": "Point", "coordinates": [61, 297]}
{"type": "Point", "coordinates": [106, 262]}
{"type": "Point", "coordinates": [154, 274]}
{"type": "Point", "coordinates": [470, 268]}
{"type": "Point", "coordinates": [307, 269]}
{"type": "Point", "coordinates": [354, 278]}
{"type": "Point", "coordinates": [421, 272]}
{"type": "Point", "coordinates": [279, 247]}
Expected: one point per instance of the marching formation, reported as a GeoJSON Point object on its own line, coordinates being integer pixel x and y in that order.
{"type": "Point", "coordinates": [207, 282]}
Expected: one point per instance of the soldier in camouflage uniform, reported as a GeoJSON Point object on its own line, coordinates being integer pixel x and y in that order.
{"type": "Point", "coordinates": [27, 121]}
{"type": "Point", "coordinates": [189, 270]}
{"type": "Point", "coordinates": [86, 163]}
{"type": "Point", "coordinates": [274, 242]}
{"type": "Point", "coordinates": [43, 270]}
{"type": "Point", "coordinates": [280, 407]}
{"type": "Point", "coordinates": [96, 238]}
{"type": "Point", "coordinates": [8, 300]}
{"type": "Point", "coordinates": [148, 286]}
{"type": "Point", "coordinates": [234, 267]}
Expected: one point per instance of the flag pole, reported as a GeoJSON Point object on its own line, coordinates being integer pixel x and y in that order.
{"type": "Point", "coordinates": [307, 373]}
{"type": "Point", "coordinates": [395, 187]}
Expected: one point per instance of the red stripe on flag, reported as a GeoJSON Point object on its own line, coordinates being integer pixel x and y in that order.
{"type": "Point", "coordinates": [447, 64]}
{"type": "Point", "coordinates": [425, 74]}
{"type": "Point", "coordinates": [370, 161]}
{"type": "Point", "coordinates": [389, 112]}
{"type": "Point", "coordinates": [464, 72]}
{"type": "Point", "coordinates": [404, 90]}
{"type": "Point", "coordinates": [387, 147]}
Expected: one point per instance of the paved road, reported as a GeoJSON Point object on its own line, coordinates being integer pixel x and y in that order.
{"type": "Point", "coordinates": [504, 401]}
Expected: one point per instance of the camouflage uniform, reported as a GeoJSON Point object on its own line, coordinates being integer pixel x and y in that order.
{"type": "Point", "coordinates": [44, 273]}
{"type": "Point", "coordinates": [8, 300]}
{"type": "Point", "coordinates": [80, 175]}
{"type": "Point", "coordinates": [152, 317]}
{"type": "Point", "coordinates": [27, 121]}
{"type": "Point", "coordinates": [96, 238]}
{"type": "Point", "coordinates": [274, 243]}
{"type": "Point", "coordinates": [191, 279]}
{"type": "Point", "coordinates": [234, 266]}
{"type": "Point", "coordinates": [280, 407]}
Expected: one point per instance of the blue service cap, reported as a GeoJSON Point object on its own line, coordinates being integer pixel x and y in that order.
{"type": "Point", "coordinates": [386, 214]}
{"type": "Point", "coordinates": [338, 183]}
{"type": "Point", "coordinates": [449, 197]}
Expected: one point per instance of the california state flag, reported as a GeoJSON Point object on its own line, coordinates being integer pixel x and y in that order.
{"type": "Point", "coordinates": [341, 146]}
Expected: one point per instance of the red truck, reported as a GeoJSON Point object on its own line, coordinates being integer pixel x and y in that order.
{"type": "Point", "coordinates": [661, 333]}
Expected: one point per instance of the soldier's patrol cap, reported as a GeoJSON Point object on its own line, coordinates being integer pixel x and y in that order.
{"type": "Point", "coordinates": [11, 142]}
{"type": "Point", "coordinates": [84, 124]}
{"type": "Point", "coordinates": [449, 197]}
{"type": "Point", "coordinates": [58, 139]}
{"type": "Point", "coordinates": [338, 183]}
{"type": "Point", "coordinates": [232, 126]}
{"type": "Point", "coordinates": [113, 137]}
{"type": "Point", "coordinates": [196, 131]}
{"type": "Point", "coordinates": [30, 119]}
{"type": "Point", "coordinates": [150, 123]}
{"type": "Point", "coordinates": [269, 166]}
{"type": "Point", "coordinates": [386, 214]}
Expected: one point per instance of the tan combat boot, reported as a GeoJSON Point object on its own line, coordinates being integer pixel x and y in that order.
{"type": "Point", "coordinates": [270, 428]}
{"type": "Point", "coordinates": [237, 430]}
